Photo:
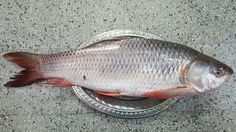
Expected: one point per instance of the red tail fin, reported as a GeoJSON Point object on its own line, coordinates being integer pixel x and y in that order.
{"type": "Point", "coordinates": [25, 60]}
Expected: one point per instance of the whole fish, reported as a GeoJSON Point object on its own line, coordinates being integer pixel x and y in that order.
{"type": "Point", "coordinates": [130, 66]}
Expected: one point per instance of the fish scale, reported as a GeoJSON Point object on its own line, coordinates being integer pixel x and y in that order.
{"type": "Point", "coordinates": [131, 66]}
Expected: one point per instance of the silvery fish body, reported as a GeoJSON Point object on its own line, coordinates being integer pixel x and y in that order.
{"type": "Point", "coordinates": [134, 66]}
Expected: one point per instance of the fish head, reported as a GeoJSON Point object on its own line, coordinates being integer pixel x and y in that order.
{"type": "Point", "coordinates": [207, 74]}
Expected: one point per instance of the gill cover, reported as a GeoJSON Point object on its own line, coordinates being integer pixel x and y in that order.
{"type": "Point", "coordinates": [207, 74]}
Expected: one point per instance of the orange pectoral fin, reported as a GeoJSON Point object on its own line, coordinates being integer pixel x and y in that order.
{"type": "Point", "coordinates": [56, 82]}
{"type": "Point", "coordinates": [170, 93]}
{"type": "Point", "coordinates": [108, 93]}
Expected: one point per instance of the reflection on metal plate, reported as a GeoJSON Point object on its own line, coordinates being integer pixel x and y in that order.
{"type": "Point", "coordinates": [124, 107]}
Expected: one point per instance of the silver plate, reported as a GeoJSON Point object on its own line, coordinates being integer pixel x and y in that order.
{"type": "Point", "coordinates": [124, 107]}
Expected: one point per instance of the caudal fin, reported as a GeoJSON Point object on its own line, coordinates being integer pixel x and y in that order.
{"type": "Point", "coordinates": [28, 61]}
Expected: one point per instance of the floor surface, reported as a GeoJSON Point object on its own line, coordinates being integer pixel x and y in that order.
{"type": "Point", "coordinates": [43, 26]}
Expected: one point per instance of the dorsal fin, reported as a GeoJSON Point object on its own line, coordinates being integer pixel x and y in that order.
{"type": "Point", "coordinates": [111, 40]}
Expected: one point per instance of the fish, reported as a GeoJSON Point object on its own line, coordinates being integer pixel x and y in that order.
{"type": "Point", "coordinates": [124, 66]}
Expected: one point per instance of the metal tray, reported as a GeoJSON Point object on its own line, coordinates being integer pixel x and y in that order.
{"type": "Point", "coordinates": [123, 107]}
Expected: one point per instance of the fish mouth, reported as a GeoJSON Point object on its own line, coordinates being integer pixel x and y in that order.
{"type": "Point", "coordinates": [230, 71]}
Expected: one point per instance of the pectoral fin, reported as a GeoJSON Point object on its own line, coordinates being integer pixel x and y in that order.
{"type": "Point", "coordinates": [108, 93]}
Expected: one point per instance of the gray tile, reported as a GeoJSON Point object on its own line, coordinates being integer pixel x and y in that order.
{"type": "Point", "coordinates": [29, 123]}
{"type": "Point", "coordinates": [29, 25]}
{"type": "Point", "coordinates": [30, 100]}
{"type": "Point", "coordinates": [71, 104]}
{"type": "Point", "coordinates": [77, 20]}
{"type": "Point", "coordinates": [215, 120]}
{"type": "Point", "coordinates": [184, 104]}
{"type": "Point", "coordinates": [171, 121]}
{"type": "Point", "coordinates": [54, 26]}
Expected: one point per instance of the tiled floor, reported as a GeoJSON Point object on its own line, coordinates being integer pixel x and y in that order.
{"type": "Point", "coordinates": [60, 25]}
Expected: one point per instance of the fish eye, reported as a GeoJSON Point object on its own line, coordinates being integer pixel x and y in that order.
{"type": "Point", "coordinates": [219, 72]}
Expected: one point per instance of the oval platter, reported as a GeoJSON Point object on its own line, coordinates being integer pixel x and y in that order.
{"type": "Point", "coordinates": [123, 107]}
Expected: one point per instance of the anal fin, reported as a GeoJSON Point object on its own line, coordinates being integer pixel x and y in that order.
{"type": "Point", "coordinates": [56, 82]}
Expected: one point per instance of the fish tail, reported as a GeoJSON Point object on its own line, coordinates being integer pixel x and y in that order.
{"type": "Point", "coordinates": [29, 62]}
